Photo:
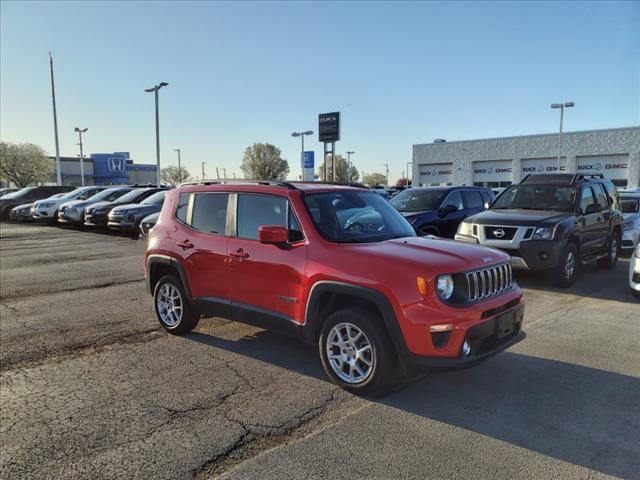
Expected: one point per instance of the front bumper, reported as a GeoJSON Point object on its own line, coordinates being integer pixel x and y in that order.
{"type": "Point", "coordinates": [71, 219]}
{"type": "Point", "coordinates": [486, 339]}
{"type": "Point", "coordinates": [95, 220]}
{"type": "Point", "coordinates": [531, 254]}
{"type": "Point", "coordinates": [634, 273]}
{"type": "Point", "coordinates": [42, 214]}
{"type": "Point", "coordinates": [122, 222]}
{"type": "Point", "coordinates": [630, 238]}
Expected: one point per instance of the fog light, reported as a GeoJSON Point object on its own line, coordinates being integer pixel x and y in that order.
{"type": "Point", "coordinates": [466, 348]}
{"type": "Point", "coordinates": [544, 256]}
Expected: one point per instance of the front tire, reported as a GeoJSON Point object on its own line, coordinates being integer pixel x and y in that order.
{"type": "Point", "coordinates": [356, 352]}
{"type": "Point", "coordinates": [173, 310]}
{"type": "Point", "coordinates": [564, 274]}
{"type": "Point", "coordinates": [613, 251]}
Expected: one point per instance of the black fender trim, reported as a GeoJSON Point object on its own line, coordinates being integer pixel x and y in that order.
{"type": "Point", "coordinates": [313, 320]}
{"type": "Point", "coordinates": [158, 259]}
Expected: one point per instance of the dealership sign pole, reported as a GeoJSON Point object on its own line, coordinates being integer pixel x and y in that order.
{"type": "Point", "coordinates": [55, 125]}
{"type": "Point", "coordinates": [329, 132]}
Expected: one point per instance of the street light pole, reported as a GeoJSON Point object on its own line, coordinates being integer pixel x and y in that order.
{"type": "Point", "coordinates": [179, 166]}
{"type": "Point", "coordinates": [349, 165]}
{"type": "Point", "coordinates": [387, 167]}
{"type": "Point", "coordinates": [224, 172]}
{"type": "Point", "coordinates": [55, 125]}
{"type": "Point", "coordinates": [409, 176]}
{"type": "Point", "coordinates": [155, 90]}
{"type": "Point", "coordinates": [301, 135]}
{"type": "Point", "coordinates": [80, 132]}
{"type": "Point", "coordinates": [561, 106]}
{"type": "Point", "coordinates": [203, 176]}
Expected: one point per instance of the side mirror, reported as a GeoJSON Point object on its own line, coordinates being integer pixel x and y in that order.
{"type": "Point", "coordinates": [487, 205]}
{"type": "Point", "coordinates": [273, 234]}
{"type": "Point", "coordinates": [444, 211]}
{"type": "Point", "coordinates": [593, 208]}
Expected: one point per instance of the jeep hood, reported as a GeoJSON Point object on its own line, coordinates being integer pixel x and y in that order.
{"type": "Point", "coordinates": [517, 217]}
{"type": "Point", "coordinates": [434, 254]}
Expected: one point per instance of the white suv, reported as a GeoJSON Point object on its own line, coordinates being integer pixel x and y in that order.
{"type": "Point", "coordinates": [47, 209]}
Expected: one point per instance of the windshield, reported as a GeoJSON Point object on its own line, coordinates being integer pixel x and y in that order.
{"type": "Point", "coordinates": [417, 200]}
{"type": "Point", "coordinates": [630, 205]}
{"type": "Point", "coordinates": [355, 217]}
{"type": "Point", "coordinates": [109, 194]}
{"type": "Point", "coordinates": [538, 197]}
{"type": "Point", "coordinates": [155, 199]}
{"type": "Point", "coordinates": [131, 196]}
{"type": "Point", "coordinates": [19, 194]}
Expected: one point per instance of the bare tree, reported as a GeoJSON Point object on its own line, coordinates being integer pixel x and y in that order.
{"type": "Point", "coordinates": [24, 164]}
{"type": "Point", "coordinates": [263, 161]}
{"type": "Point", "coordinates": [171, 175]}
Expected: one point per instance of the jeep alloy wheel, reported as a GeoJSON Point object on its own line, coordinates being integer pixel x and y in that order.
{"type": "Point", "coordinates": [173, 308]}
{"type": "Point", "coordinates": [350, 353]}
{"type": "Point", "coordinates": [169, 303]}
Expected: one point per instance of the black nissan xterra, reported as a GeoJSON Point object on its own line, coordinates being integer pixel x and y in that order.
{"type": "Point", "coordinates": [552, 222]}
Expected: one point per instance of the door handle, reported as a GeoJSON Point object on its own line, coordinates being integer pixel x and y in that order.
{"type": "Point", "coordinates": [240, 253]}
{"type": "Point", "coordinates": [185, 245]}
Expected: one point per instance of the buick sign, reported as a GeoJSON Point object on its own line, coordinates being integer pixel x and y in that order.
{"type": "Point", "coordinates": [116, 164]}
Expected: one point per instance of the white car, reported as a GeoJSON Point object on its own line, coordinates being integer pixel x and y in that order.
{"type": "Point", "coordinates": [47, 209]}
{"type": "Point", "coordinates": [630, 206]}
{"type": "Point", "coordinates": [634, 272]}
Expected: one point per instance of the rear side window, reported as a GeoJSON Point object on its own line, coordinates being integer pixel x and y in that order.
{"type": "Point", "coordinates": [586, 199]}
{"type": "Point", "coordinates": [183, 205]}
{"type": "Point", "coordinates": [210, 212]}
{"type": "Point", "coordinates": [257, 210]}
{"type": "Point", "coordinates": [601, 196]}
{"type": "Point", "coordinates": [472, 199]}
{"type": "Point", "coordinates": [612, 191]}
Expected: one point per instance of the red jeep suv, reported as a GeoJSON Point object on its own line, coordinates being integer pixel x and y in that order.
{"type": "Point", "coordinates": [335, 266]}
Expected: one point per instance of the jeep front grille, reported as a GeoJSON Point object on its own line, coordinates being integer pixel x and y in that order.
{"type": "Point", "coordinates": [489, 282]}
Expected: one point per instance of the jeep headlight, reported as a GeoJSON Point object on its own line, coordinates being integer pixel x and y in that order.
{"type": "Point", "coordinates": [465, 229]}
{"type": "Point", "coordinates": [444, 286]}
{"type": "Point", "coordinates": [543, 233]}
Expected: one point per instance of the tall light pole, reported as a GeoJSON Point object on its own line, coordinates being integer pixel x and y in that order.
{"type": "Point", "coordinates": [80, 132]}
{"type": "Point", "coordinates": [55, 125]}
{"type": "Point", "coordinates": [224, 172]}
{"type": "Point", "coordinates": [155, 91]}
{"type": "Point", "coordinates": [301, 135]}
{"type": "Point", "coordinates": [179, 166]}
{"type": "Point", "coordinates": [386, 165]}
{"type": "Point", "coordinates": [409, 175]}
{"type": "Point", "coordinates": [561, 106]}
{"type": "Point", "coordinates": [203, 176]}
{"type": "Point", "coordinates": [349, 164]}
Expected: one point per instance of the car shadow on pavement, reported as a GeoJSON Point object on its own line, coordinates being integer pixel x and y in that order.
{"type": "Point", "coordinates": [592, 281]}
{"type": "Point", "coordinates": [584, 416]}
{"type": "Point", "coordinates": [269, 347]}
{"type": "Point", "coordinates": [580, 415]}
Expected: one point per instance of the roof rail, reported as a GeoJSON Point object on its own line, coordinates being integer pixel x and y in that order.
{"type": "Point", "coordinates": [342, 184]}
{"type": "Point", "coordinates": [224, 181]}
{"type": "Point", "coordinates": [578, 177]}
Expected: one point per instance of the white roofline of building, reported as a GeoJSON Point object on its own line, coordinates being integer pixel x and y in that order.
{"type": "Point", "coordinates": [528, 136]}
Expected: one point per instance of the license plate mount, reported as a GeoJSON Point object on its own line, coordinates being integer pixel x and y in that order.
{"type": "Point", "coordinates": [505, 324]}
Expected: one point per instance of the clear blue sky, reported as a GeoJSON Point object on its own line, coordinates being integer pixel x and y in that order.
{"type": "Point", "coordinates": [400, 73]}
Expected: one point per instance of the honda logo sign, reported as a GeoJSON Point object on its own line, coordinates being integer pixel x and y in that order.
{"type": "Point", "coordinates": [116, 164]}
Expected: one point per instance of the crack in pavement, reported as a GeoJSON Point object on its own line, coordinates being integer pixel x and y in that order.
{"type": "Point", "coordinates": [22, 296]}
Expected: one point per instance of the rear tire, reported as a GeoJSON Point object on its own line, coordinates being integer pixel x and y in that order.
{"type": "Point", "coordinates": [564, 274]}
{"type": "Point", "coordinates": [613, 249]}
{"type": "Point", "coordinates": [356, 352]}
{"type": "Point", "coordinates": [173, 310]}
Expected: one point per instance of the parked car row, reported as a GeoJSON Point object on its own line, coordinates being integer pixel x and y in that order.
{"type": "Point", "coordinates": [122, 207]}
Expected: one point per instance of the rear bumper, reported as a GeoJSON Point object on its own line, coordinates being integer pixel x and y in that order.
{"type": "Point", "coordinates": [484, 341]}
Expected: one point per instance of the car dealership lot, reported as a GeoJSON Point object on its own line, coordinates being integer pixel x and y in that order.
{"type": "Point", "coordinates": [90, 387]}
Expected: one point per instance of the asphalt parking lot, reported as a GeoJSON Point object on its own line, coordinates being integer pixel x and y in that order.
{"type": "Point", "coordinates": [90, 387]}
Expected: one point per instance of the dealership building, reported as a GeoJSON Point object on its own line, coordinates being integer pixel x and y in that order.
{"type": "Point", "coordinates": [499, 162]}
{"type": "Point", "coordinates": [105, 169]}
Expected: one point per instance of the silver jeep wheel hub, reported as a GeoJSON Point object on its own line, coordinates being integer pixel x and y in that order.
{"type": "Point", "coordinates": [350, 353]}
{"type": "Point", "coordinates": [169, 305]}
